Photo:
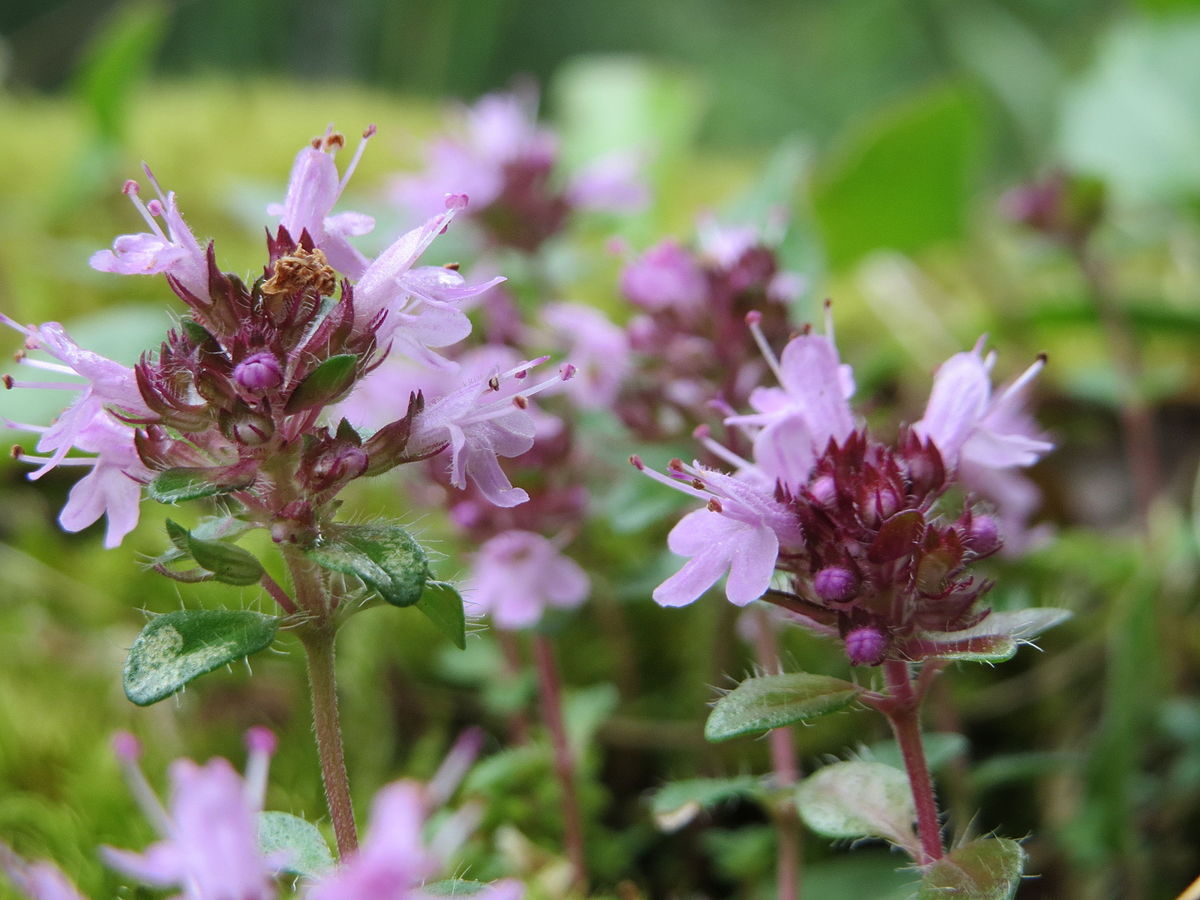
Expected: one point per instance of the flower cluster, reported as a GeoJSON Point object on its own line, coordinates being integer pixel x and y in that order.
{"type": "Point", "coordinates": [510, 168]}
{"type": "Point", "coordinates": [860, 530]}
{"type": "Point", "coordinates": [696, 350]}
{"type": "Point", "coordinates": [237, 397]}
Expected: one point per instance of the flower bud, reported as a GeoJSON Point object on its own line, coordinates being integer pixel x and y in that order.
{"type": "Point", "coordinates": [866, 645]}
{"type": "Point", "coordinates": [823, 490]}
{"type": "Point", "coordinates": [984, 538]}
{"type": "Point", "coordinates": [835, 584]}
{"type": "Point", "coordinates": [258, 374]}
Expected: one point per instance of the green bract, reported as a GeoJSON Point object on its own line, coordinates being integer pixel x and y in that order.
{"type": "Point", "coordinates": [383, 557]}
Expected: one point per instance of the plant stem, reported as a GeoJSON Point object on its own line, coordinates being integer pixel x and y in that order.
{"type": "Point", "coordinates": [564, 763]}
{"type": "Point", "coordinates": [787, 771]}
{"type": "Point", "coordinates": [904, 714]}
{"type": "Point", "coordinates": [318, 646]}
{"type": "Point", "coordinates": [317, 636]}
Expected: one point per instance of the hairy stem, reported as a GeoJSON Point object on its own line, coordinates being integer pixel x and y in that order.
{"type": "Point", "coordinates": [564, 762]}
{"type": "Point", "coordinates": [317, 636]}
{"type": "Point", "coordinates": [318, 646]}
{"type": "Point", "coordinates": [904, 714]}
{"type": "Point", "coordinates": [786, 769]}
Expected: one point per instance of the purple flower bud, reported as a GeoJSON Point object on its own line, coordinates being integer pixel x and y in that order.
{"type": "Point", "coordinates": [866, 645]}
{"type": "Point", "coordinates": [984, 537]}
{"type": "Point", "coordinates": [835, 584]}
{"type": "Point", "coordinates": [258, 374]}
{"type": "Point", "coordinates": [823, 490]}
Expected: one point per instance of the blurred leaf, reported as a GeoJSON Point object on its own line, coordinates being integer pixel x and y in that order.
{"type": "Point", "coordinates": [384, 557]}
{"type": "Point", "coordinates": [298, 842]}
{"type": "Point", "coordinates": [1019, 767]}
{"type": "Point", "coordinates": [117, 60]}
{"type": "Point", "coordinates": [1134, 118]}
{"type": "Point", "coordinates": [859, 799]}
{"type": "Point", "coordinates": [606, 104]}
{"type": "Point", "coordinates": [986, 869]}
{"type": "Point", "coordinates": [941, 748]}
{"type": "Point", "coordinates": [443, 605]}
{"type": "Point", "coordinates": [585, 711]}
{"type": "Point", "coordinates": [678, 803]}
{"type": "Point", "coordinates": [178, 647]}
{"type": "Point", "coordinates": [771, 701]}
{"type": "Point", "coordinates": [902, 181]}
{"type": "Point", "coordinates": [454, 887]}
{"type": "Point", "coordinates": [743, 854]}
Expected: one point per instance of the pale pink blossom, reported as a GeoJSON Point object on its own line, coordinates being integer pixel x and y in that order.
{"type": "Point", "coordinates": [40, 880]}
{"type": "Point", "coordinates": [517, 575]}
{"type": "Point", "coordinates": [172, 250]}
{"type": "Point", "coordinates": [665, 277]}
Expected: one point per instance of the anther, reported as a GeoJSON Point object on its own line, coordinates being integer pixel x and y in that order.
{"type": "Point", "coordinates": [714, 505]}
{"type": "Point", "coordinates": [520, 402]}
{"type": "Point", "coordinates": [494, 383]}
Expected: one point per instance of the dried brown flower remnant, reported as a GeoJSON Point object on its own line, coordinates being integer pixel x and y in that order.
{"type": "Point", "coordinates": [301, 270]}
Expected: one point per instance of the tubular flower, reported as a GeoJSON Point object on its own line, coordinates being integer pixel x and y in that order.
{"type": "Point", "coordinates": [858, 535]}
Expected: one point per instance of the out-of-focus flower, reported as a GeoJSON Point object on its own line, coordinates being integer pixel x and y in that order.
{"type": "Point", "coordinates": [36, 880]}
{"type": "Point", "coordinates": [517, 575]}
{"type": "Point", "coordinates": [509, 167]}
{"type": "Point", "coordinates": [209, 845]}
{"type": "Point", "coordinates": [857, 528]}
{"type": "Point", "coordinates": [597, 348]}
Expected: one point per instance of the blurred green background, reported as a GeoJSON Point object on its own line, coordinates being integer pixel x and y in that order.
{"type": "Point", "coordinates": [890, 130]}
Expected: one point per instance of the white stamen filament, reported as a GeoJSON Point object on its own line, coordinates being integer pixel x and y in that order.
{"type": "Point", "coordinates": [145, 797]}
{"type": "Point", "coordinates": [765, 349]}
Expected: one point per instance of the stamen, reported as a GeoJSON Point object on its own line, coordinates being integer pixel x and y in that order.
{"type": "Point", "coordinates": [154, 182]}
{"type": "Point", "coordinates": [358, 152]}
{"type": "Point", "coordinates": [754, 322]}
{"type": "Point", "coordinates": [1024, 378]}
{"type": "Point", "coordinates": [567, 372]}
{"type": "Point", "coordinates": [10, 383]}
{"type": "Point", "coordinates": [261, 743]}
{"type": "Point", "coordinates": [520, 402]}
{"type": "Point", "coordinates": [43, 364]}
{"type": "Point", "coordinates": [455, 766]}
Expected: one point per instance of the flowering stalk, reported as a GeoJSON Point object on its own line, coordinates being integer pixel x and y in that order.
{"type": "Point", "coordinates": [549, 685]}
{"type": "Point", "coordinates": [902, 707]}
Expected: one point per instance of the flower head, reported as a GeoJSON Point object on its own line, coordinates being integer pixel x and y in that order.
{"type": "Point", "coordinates": [858, 530]}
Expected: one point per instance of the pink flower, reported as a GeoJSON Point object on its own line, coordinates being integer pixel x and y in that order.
{"type": "Point", "coordinates": [665, 277]}
{"type": "Point", "coordinates": [517, 575]}
{"type": "Point", "coordinates": [484, 417]}
{"type": "Point", "coordinates": [113, 487]}
{"type": "Point", "coordinates": [598, 349]}
{"type": "Point", "coordinates": [395, 861]}
{"type": "Point", "coordinates": [609, 184]}
{"type": "Point", "coordinates": [210, 836]}
{"type": "Point", "coordinates": [419, 305]}
{"type": "Point", "coordinates": [173, 251]}
{"type": "Point", "coordinates": [314, 187]}
{"type": "Point", "coordinates": [739, 531]}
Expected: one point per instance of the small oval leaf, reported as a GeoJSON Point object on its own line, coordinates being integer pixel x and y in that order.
{"type": "Point", "coordinates": [770, 701]}
{"type": "Point", "coordinates": [443, 605]}
{"type": "Point", "coordinates": [178, 647]}
{"type": "Point", "coordinates": [384, 557]}
{"type": "Point", "coordinates": [324, 384]}
{"type": "Point", "coordinates": [229, 563]}
{"type": "Point", "coordinates": [297, 846]}
{"type": "Point", "coordinates": [676, 804]}
{"type": "Point", "coordinates": [857, 800]}
{"type": "Point", "coordinates": [986, 869]}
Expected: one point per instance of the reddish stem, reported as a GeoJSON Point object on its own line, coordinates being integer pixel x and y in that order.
{"type": "Point", "coordinates": [904, 714]}
{"type": "Point", "coordinates": [564, 763]}
{"type": "Point", "coordinates": [278, 594]}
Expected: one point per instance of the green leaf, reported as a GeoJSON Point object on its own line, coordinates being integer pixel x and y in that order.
{"type": "Point", "coordinates": [903, 181]}
{"type": "Point", "coordinates": [178, 484]}
{"type": "Point", "coordinates": [770, 701]}
{"type": "Point", "coordinates": [178, 535]}
{"type": "Point", "coordinates": [117, 60]}
{"type": "Point", "coordinates": [857, 800]}
{"type": "Point", "coordinates": [993, 640]}
{"type": "Point", "coordinates": [443, 606]}
{"type": "Point", "coordinates": [229, 563]}
{"type": "Point", "coordinates": [986, 869]}
{"type": "Point", "coordinates": [300, 844]}
{"type": "Point", "coordinates": [384, 557]}
{"type": "Point", "coordinates": [324, 384]}
{"type": "Point", "coordinates": [676, 804]}
{"type": "Point", "coordinates": [178, 647]}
